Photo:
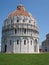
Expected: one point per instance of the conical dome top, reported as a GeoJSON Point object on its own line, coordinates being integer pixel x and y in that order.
{"type": "Point", "coordinates": [20, 11]}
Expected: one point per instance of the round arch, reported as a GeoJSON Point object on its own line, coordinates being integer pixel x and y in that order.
{"type": "Point", "coordinates": [35, 45]}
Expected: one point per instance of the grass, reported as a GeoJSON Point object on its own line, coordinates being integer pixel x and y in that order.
{"type": "Point", "coordinates": [24, 59]}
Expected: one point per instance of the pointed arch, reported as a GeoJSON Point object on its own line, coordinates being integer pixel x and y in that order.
{"type": "Point", "coordinates": [35, 45]}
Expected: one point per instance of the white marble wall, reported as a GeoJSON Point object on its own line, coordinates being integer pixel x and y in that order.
{"type": "Point", "coordinates": [20, 35]}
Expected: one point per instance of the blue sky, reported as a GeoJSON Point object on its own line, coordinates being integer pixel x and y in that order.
{"type": "Point", "coordinates": [38, 8]}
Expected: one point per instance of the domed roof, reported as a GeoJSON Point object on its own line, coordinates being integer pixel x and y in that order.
{"type": "Point", "coordinates": [20, 11]}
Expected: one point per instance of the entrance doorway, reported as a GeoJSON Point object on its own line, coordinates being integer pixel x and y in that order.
{"type": "Point", "coordinates": [5, 48]}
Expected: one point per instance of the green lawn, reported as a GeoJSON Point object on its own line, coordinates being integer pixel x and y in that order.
{"type": "Point", "coordinates": [24, 59]}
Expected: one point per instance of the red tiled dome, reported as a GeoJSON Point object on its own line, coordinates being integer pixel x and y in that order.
{"type": "Point", "coordinates": [20, 12]}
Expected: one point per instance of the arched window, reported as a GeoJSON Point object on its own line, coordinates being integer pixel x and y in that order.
{"type": "Point", "coordinates": [15, 31]}
{"type": "Point", "coordinates": [17, 42]}
{"type": "Point", "coordinates": [23, 20]}
{"type": "Point", "coordinates": [29, 21]}
{"type": "Point", "coordinates": [24, 30]}
{"type": "Point", "coordinates": [5, 48]}
{"type": "Point", "coordinates": [35, 45]}
{"type": "Point", "coordinates": [24, 42]}
{"type": "Point", "coordinates": [10, 42]}
{"type": "Point", "coordinates": [45, 49]}
{"type": "Point", "coordinates": [17, 20]}
{"type": "Point", "coordinates": [11, 21]}
{"type": "Point", "coordinates": [31, 42]}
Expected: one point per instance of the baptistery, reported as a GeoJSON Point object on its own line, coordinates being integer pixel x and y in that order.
{"type": "Point", "coordinates": [20, 33]}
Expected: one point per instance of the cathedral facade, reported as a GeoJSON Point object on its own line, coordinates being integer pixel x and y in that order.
{"type": "Point", "coordinates": [45, 44]}
{"type": "Point", "coordinates": [20, 33]}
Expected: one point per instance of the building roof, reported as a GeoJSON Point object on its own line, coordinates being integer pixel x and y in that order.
{"type": "Point", "coordinates": [20, 11]}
